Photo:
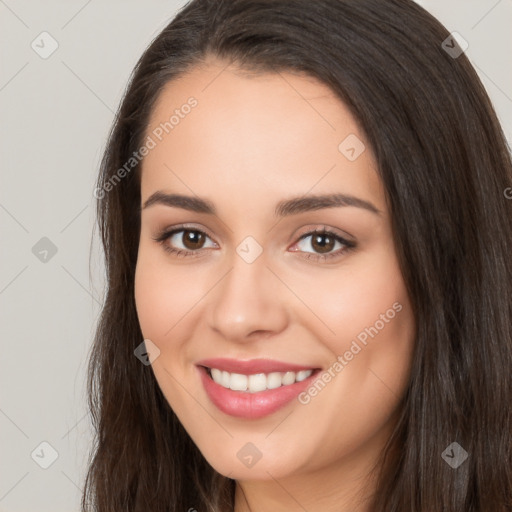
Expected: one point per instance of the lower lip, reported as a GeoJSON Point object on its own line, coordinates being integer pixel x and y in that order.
{"type": "Point", "coordinates": [243, 404]}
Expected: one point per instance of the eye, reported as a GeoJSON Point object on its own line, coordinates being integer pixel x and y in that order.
{"type": "Point", "coordinates": [186, 241]}
{"type": "Point", "coordinates": [191, 241]}
{"type": "Point", "coordinates": [323, 242]}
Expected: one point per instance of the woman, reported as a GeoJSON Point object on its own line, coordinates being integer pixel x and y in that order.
{"type": "Point", "coordinates": [307, 234]}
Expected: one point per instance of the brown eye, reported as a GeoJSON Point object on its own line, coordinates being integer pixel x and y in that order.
{"type": "Point", "coordinates": [184, 241]}
{"type": "Point", "coordinates": [322, 242]}
{"type": "Point", "coordinates": [192, 239]}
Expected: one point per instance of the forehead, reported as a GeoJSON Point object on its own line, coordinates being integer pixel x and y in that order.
{"type": "Point", "coordinates": [278, 132]}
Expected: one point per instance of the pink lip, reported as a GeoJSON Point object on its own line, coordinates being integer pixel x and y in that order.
{"type": "Point", "coordinates": [252, 366]}
{"type": "Point", "coordinates": [243, 404]}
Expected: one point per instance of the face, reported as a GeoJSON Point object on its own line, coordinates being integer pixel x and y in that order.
{"type": "Point", "coordinates": [296, 305]}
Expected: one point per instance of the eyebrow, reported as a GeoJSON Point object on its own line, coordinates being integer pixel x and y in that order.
{"type": "Point", "coordinates": [284, 208]}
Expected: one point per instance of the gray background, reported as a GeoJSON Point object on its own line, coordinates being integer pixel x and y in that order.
{"type": "Point", "coordinates": [55, 115]}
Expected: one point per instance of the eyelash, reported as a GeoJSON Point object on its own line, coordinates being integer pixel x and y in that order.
{"type": "Point", "coordinates": [162, 237]}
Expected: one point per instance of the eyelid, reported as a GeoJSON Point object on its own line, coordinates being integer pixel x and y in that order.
{"type": "Point", "coordinates": [167, 232]}
{"type": "Point", "coordinates": [308, 230]}
{"type": "Point", "coordinates": [320, 228]}
{"type": "Point", "coordinates": [348, 242]}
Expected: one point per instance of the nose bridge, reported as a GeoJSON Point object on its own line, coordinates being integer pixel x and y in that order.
{"type": "Point", "coordinates": [248, 297]}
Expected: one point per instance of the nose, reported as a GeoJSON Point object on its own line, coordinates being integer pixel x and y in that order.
{"type": "Point", "coordinates": [248, 303]}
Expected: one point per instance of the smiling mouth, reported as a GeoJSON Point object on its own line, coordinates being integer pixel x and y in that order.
{"type": "Point", "coordinates": [253, 389]}
{"type": "Point", "coordinates": [257, 382]}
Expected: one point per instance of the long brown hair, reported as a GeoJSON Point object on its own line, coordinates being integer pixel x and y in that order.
{"type": "Point", "coordinates": [445, 165]}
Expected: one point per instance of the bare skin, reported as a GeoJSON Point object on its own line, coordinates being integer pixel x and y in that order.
{"type": "Point", "coordinates": [249, 143]}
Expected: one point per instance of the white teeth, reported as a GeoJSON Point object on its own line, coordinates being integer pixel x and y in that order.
{"type": "Point", "coordinates": [238, 382]}
{"type": "Point", "coordinates": [257, 382]}
{"type": "Point", "coordinates": [220, 377]}
{"type": "Point", "coordinates": [303, 374]}
{"type": "Point", "coordinates": [224, 381]}
{"type": "Point", "coordinates": [274, 380]}
{"type": "Point", "coordinates": [216, 374]}
{"type": "Point", "coordinates": [288, 378]}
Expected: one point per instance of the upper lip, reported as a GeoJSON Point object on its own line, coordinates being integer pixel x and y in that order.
{"type": "Point", "coordinates": [252, 366]}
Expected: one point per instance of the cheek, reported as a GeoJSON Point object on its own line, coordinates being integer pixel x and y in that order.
{"type": "Point", "coordinates": [152, 300]}
{"type": "Point", "coordinates": [371, 338]}
{"type": "Point", "coordinates": [367, 294]}
{"type": "Point", "coordinates": [164, 293]}
{"type": "Point", "coordinates": [372, 344]}
{"type": "Point", "coordinates": [163, 297]}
